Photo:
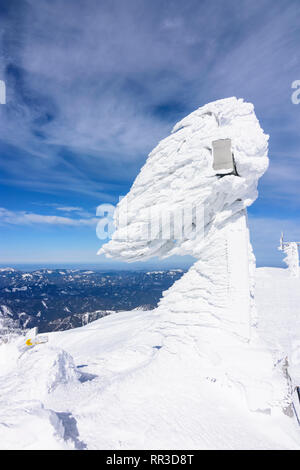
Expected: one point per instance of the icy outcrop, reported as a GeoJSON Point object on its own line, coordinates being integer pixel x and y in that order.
{"type": "Point", "coordinates": [178, 180]}
{"type": "Point", "coordinates": [29, 426]}
{"type": "Point", "coordinates": [178, 174]}
{"type": "Point", "coordinates": [211, 308]}
{"type": "Point", "coordinates": [56, 365]}
{"type": "Point", "coordinates": [292, 258]}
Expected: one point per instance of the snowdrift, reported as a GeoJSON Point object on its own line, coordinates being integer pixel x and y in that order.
{"type": "Point", "coordinates": [130, 389]}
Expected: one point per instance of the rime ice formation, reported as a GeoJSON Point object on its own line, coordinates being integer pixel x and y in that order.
{"type": "Point", "coordinates": [179, 175]}
{"type": "Point", "coordinates": [292, 258]}
{"type": "Point", "coordinates": [211, 308]}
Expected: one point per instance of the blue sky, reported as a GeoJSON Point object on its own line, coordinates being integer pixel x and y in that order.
{"type": "Point", "coordinates": [93, 85]}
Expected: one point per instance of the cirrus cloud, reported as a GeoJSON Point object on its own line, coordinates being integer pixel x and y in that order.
{"type": "Point", "coordinates": [30, 218]}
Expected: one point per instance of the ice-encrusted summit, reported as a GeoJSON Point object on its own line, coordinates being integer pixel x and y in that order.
{"type": "Point", "coordinates": [179, 173]}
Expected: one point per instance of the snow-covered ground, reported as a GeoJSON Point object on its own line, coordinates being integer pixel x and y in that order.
{"type": "Point", "coordinates": [278, 299]}
{"type": "Point", "coordinates": [127, 381]}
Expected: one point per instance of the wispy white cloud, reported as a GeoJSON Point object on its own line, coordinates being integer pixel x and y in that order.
{"type": "Point", "coordinates": [68, 209]}
{"type": "Point", "coordinates": [86, 80]}
{"type": "Point", "coordinates": [30, 218]}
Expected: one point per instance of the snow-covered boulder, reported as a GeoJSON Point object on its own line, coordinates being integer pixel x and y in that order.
{"type": "Point", "coordinates": [193, 373]}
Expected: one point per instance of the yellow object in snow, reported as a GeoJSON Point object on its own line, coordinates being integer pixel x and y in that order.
{"type": "Point", "coordinates": [37, 340]}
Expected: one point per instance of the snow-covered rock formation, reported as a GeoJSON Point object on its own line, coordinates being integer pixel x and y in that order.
{"type": "Point", "coordinates": [292, 258]}
{"type": "Point", "coordinates": [178, 180]}
{"type": "Point", "coordinates": [211, 307]}
{"type": "Point", "coordinates": [192, 373]}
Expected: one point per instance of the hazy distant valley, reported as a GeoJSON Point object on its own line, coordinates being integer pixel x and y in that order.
{"type": "Point", "coordinates": [60, 299]}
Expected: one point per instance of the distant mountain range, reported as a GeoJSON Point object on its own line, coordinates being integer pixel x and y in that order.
{"type": "Point", "coordinates": [60, 299]}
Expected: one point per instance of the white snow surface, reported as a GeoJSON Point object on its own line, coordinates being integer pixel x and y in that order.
{"type": "Point", "coordinates": [213, 303]}
{"type": "Point", "coordinates": [134, 386]}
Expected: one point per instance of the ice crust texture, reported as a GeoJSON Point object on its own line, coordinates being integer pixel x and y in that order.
{"type": "Point", "coordinates": [179, 172]}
